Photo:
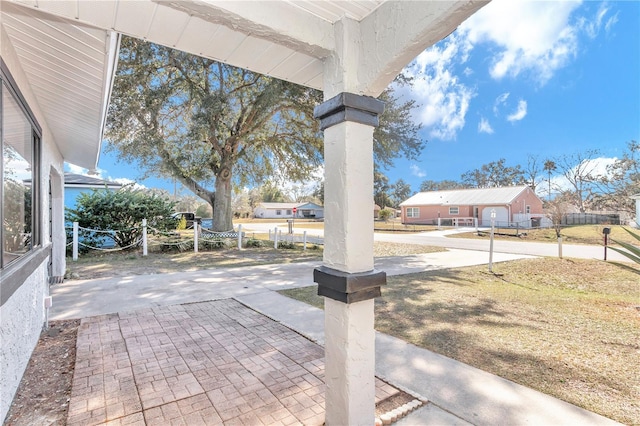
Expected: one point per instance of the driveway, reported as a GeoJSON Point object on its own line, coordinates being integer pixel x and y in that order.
{"type": "Point", "coordinates": [440, 239]}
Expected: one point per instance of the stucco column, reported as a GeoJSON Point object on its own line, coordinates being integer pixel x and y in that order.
{"type": "Point", "coordinates": [347, 279]}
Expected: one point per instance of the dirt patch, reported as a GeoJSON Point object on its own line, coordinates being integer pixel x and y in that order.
{"type": "Point", "coordinates": [43, 395]}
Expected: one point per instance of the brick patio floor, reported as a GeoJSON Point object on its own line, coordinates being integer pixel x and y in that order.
{"type": "Point", "coordinates": [215, 362]}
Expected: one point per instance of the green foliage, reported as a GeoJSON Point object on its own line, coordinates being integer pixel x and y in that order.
{"type": "Point", "coordinates": [209, 124]}
{"type": "Point", "coordinates": [286, 245]}
{"type": "Point", "coordinates": [252, 242]}
{"type": "Point", "coordinates": [385, 214]}
{"type": "Point", "coordinates": [203, 210]}
{"type": "Point", "coordinates": [121, 212]}
{"type": "Point", "coordinates": [442, 185]}
{"type": "Point", "coordinates": [630, 251]}
{"type": "Point", "coordinates": [494, 175]}
{"type": "Point", "coordinates": [400, 191]}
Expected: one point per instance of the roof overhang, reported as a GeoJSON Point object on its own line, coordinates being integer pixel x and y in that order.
{"type": "Point", "coordinates": [67, 48]}
{"type": "Point", "coordinates": [70, 68]}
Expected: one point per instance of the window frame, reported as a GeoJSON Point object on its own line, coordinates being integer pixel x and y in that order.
{"type": "Point", "coordinates": [278, 212]}
{"type": "Point", "coordinates": [457, 210]}
{"type": "Point", "coordinates": [411, 212]}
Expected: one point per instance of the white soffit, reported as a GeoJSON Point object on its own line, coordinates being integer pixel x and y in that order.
{"type": "Point", "coordinates": [286, 39]}
{"type": "Point", "coordinates": [67, 66]}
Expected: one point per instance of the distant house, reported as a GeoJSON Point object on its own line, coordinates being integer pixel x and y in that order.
{"type": "Point", "coordinates": [513, 206]}
{"type": "Point", "coordinates": [75, 184]}
{"type": "Point", "coordinates": [285, 211]}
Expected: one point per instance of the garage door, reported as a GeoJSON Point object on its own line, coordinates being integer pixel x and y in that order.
{"type": "Point", "coordinates": [502, 216]}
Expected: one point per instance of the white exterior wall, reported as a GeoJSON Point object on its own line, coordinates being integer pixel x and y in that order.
{"type": "Point", "coordinates": [263, 213]}
{"type": "Point", "coordinates": [22, 316]}
{"type": "Point", "coordinates": [21, 320]}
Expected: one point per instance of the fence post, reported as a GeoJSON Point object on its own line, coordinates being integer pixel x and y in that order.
{"type": "Point", "coordinates": [75, 241]}
{"type": "Point", "coordinates": [240, 237]}
{"type": "Point", "coordinates": [275, 238]}
{"type": "Point", "coordinates": [144, 237]}
{"type": "Point", "coordinates": [439, 223]}
{"type": "Point", "coordinates": [304, 241]}
{"type": "Point", "coordinates": [475, 222]}
{"type": "Point", "coordinates": [195, 236]}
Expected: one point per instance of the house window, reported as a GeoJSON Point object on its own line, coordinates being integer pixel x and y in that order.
{"type": "Point", "coordinates": [454, 210]}
{"type": "Point", "coordinates": [528, 209]}
{"type": "Point", "coordinates": [278, 212]}
{"type": "Point", "coordinates": [20, 164]}
{"type": "Point", "coordinates": [413, 212]}
{"type": "Point", "coordinates": [288, 212]}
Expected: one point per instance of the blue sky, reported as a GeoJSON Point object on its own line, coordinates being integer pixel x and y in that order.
{"type": "Point", "coordinates": [517, 78]}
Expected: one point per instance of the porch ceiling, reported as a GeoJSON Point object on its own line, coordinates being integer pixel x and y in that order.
{"type": "Point", "coordinates": [286, 39]}
{"type": "Point", "coordinates": [68, 66]}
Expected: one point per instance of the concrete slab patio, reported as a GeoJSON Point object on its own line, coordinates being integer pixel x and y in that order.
{"type": "Point", "coordinates": [205, 363]}
{"type": "Point", "coordinates": [221, 347]}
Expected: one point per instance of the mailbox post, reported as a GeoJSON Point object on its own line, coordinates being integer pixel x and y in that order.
{"type": "Point", "coordinates": [493, 223]}
{"type": "Point", "coordinates": [606, 231]}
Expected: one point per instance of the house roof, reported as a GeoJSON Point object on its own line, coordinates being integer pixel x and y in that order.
{"type": "Point", "coordinates": [75, 180]}
{"type": "Point", "coordinates": [478, 196]}
{"type": "Point", "coordinates": [636, 197]}
{"type": "Point", "coordinates": [287, 205]}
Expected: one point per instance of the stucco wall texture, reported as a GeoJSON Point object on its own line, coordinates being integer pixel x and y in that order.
{"type": "Point", "coordinates": [21, 320]}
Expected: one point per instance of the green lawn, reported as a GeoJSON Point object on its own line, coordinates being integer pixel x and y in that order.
{"type": "Point", "coordinates": [568, 328]}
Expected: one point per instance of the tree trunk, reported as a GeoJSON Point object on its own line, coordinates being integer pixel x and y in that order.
{"type": "Point", "coordinates": [222, 211]}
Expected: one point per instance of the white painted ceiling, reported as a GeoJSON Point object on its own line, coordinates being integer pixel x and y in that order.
{"type": "Point", "coordinates": [64, 45]}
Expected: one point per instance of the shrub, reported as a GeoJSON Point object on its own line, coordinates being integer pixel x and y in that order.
{"type": "Point", "coordinates": [385, 214]}
{"type": "Point", "coordinates": [286, 245]}
{"type": "Point", "coordinates": [252, 242]}
{"type": "Point", "coordinates": [121, 212]}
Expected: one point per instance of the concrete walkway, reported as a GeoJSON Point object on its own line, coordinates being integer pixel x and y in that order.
{"type": "Point", "coordinates": [458, 393]}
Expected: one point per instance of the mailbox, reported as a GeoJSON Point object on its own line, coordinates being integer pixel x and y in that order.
{"type": "Point", "coordinates": [606, 230]}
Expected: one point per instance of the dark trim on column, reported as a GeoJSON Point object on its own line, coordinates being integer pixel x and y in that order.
{"type": "Point", "coordinates": [349, 107]}
{"type": "Point", "coordinates": [15, 275]}
{"type": "Point", "coordinates": [348, 288]}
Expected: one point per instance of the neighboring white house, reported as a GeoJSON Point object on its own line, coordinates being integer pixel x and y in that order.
{"type": "Point", "coordinates": [288, 210]}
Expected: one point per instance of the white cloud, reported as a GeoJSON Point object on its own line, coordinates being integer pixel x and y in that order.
{"type": "Point", "coordinates": [72, 168]}
{"type": "Point", "coordinates": [532, 37]}
{"type": "Point", "coordinates": [520, 112]}
{"type": "Point", "coordinates": [126, 181]}
{"type": "Point", "coordinates": [484, 126]}
{"type": "Point", "coordinates": [443, 99]}
{"type": "Point", "coordinates": [417, 171]}
{"type": "Point", "coordinates": [500, 100]}
{"type": "Point", "coordinates": [592, 27]}
{"type": "Point", "coordinates": [597, 167]}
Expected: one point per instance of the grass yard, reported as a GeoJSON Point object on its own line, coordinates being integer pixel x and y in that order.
{"type": "Point", "coordinates": [568, 328]}
{"type": "Point", "coordinates": [582, 234]}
